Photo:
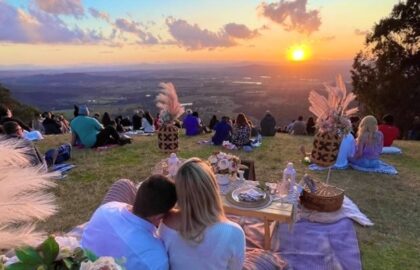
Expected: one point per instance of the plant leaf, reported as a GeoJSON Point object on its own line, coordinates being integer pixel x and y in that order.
{"type": "Point", "coordinates": [50, 250]}
{"type": "Point", "coordinates": [29, 256]}
{"type": "Point", "coordinates": [20, 266]}
{"type": "Point", "coordinates": [90, 255]}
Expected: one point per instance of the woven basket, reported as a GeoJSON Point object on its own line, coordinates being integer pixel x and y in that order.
{"type": "Point", "coordinates": [326, 198]}
{"type": "Point", "coordinates": [325, 149]}
{"type": "Point", "coordinates": [168, 138]}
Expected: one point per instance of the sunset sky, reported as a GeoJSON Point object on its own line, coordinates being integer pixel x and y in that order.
{"type": "Point", "coordinates": [97, 32]}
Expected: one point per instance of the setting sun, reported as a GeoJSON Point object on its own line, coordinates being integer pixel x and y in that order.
{"type": "Point", "coordinates": [298, 53]}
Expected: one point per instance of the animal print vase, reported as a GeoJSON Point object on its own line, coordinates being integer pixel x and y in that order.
{"type": "Point", "coordinates": [168, 138]}
{"type": "Point", "coordinates": [325, 149]}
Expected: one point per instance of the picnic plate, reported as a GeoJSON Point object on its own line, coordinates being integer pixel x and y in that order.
{"type": "Point", "coordinates": [233, 198]}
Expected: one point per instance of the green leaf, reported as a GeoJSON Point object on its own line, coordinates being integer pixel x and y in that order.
{"type": "Point", "coordinates": [29, 255]}
{"type": "Point", "coordinates": [90, 255]}
{"type": "Point", "coordinates": [50, 250]}
{"type": "Point", "coordinates": [68, 263]}
{"type": "Point", "coordinates": [20, 266]}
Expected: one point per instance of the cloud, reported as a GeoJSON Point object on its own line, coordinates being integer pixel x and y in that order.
{"type": "Point", "coordinates": [64, 7]}
{"type": "Point", "coordinates": [193, 37]}
{"type": "Point", "coordinates": [327, 38]}
{"type": "Point", "coordinates": [292, 15]}
{"type": "Point", "coordinates": [240, 31]}
{"type": "Point", "coordinates": [99, 14]}
{"type": "Point", "coordinates": [133, 27]}
{"type": "Point", "coordinates": [359, 32]}
{"type": "Point", "coordinates": [37, 26]}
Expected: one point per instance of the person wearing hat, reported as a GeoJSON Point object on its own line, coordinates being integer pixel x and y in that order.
{"type": "Point", "coordinates": [91, 133]}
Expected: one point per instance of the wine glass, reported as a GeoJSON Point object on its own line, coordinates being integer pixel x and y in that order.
{"type": "Point", "coordinates": [282, 192]}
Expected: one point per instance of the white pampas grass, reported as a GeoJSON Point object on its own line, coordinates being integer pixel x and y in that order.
{"type": "Point", "coordinates": [332, 109]}
{"type": "Point", "coordinates": [167, 102]}
{"type": "Point", "coordinates": [23, 196]}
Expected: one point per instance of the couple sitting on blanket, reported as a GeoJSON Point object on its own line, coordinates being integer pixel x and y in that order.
{"type": "Point", "coordinates": [87, 131]}
{"type": "Point", "coordinates": [140, 226]}
{"type": "Point", "coordinates": [365, 150]}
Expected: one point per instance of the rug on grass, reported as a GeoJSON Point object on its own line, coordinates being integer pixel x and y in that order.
{"type": "Point", "coordinates": [391, 150]}
{"type": "Point", "coordinates": [316, 246]}
{"type": "Point", "coordinates": [383, 167]}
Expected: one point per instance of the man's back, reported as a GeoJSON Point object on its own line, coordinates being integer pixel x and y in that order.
{"type": "Point", "coordinates": [390, 133]}
{"type": "Point", "coordinates": [86, 129]}
{"type": "Point", "coordinates": [191, 125]}
{"type": "Point", "coordinates": [299, 128]}
{"type": "Point", "coordinates": [115, 231]}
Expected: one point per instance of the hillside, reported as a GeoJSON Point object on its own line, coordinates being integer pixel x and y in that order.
{"type": "Point", "coordinates": [21, 111]}
{"type": "Point", "coordinates": [389, 201]}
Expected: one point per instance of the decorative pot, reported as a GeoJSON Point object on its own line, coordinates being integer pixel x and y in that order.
{"type": "Point", "coordinates": [325, 149]}
{"type": "Point", "coordinates": [168, 138]}
{"type": "Point", "coordinates": [223, 179]}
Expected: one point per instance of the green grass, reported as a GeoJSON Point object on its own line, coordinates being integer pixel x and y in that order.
{"type": "Point", "coordinates": [389, 201]}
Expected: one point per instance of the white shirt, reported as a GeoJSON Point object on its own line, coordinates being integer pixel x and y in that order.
{"type": "Point", "coordinates": [115, 231]}
{"type": "Point", "coordinates": [147, 127]}
{"type": "Point", "coordinates": [223, 247]}
{"type": "Point", "coordinates": [346, 151]}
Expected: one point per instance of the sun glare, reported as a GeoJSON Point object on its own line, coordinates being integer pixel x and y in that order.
{"type": "Point", "coordinates": [298, 53]}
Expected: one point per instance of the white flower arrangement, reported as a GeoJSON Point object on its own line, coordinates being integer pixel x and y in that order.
{"type": "Point", "coordinates": [332, 113]}
{"type": "Point", "coordinates": [223, 163]}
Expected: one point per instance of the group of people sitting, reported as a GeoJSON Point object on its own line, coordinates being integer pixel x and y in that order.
{"type": "Point", "coordinates": [238, 131]}
{"type": "Point", "coordinates": [167, 225]}
{"type": "Point", "coordinates": [140, 121]}
{"type": "Point", "coordinates": [49, 123]}
{"type": "Point", "coordinates": [14, 130]}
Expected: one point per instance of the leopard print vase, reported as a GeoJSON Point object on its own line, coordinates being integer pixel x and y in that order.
{"type": "Point", "coordinates": [325, 149]}
{"type": "Point", "coordinates": [168, 138]}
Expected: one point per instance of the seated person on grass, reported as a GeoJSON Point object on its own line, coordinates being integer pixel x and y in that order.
{"type": "Point", "coordinates": [369, 144]}
{"type": "Point", "coordinates": [241, 133]}
{"type": "Point", "coordinates": [223, 131]}
{"type": "Point", "coordinates": [124, 226]}
{"type": "Point", "coordinates": [268, 125]}
{"type": "Point", "coordinates": [90, 133]}
{"type": "Point", "coordinates": [192, 125]}
{"type": "Point", "coordinates": [388, 129]}
{"type": "Point", "coordinates": [52, 156]}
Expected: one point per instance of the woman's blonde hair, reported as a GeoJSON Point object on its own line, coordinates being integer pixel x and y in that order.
{"type": "Point", "coordinates": [198, 199]}
{"type": "Point", "coordinates": [367, 129]}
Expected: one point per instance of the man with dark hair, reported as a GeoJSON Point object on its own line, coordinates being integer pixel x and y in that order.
{"type": "Point", "coordinates": [51, 126]}
{"type": "Point", "coordinates": [388, 129]}
{"type": "Point", "coordinates": [268, 125]}
{"type": "Point", "coordinates": [299, 127]}
{"type": "Point", "coordinates": [223, 131]}
{"type": "Point", "coordinates": [125, 225]}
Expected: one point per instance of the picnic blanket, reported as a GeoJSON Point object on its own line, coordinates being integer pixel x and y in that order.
{"type": "Point", "coordinates": [314, 167]}
{"type": "Point", "coordinates": [318, 246]}
{"type": "Point", "coordinates": [62, 169]}
{"type": "Point", "coordinates": [383, 167]}
{"type": "Point", "coordinates": [391, 150]}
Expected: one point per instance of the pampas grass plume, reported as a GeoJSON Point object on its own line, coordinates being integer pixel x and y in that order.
{"type": "Point", "coordinates": [24, 198]}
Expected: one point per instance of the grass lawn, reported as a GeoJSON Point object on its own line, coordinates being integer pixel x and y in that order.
{"type": "Point", "coordinates": [391, 202]}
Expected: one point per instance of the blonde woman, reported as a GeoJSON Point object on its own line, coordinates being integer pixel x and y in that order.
{"type": "Point", "coordinates": [199, 236]}
{"type": "Point", "coordinates": [369, 143]}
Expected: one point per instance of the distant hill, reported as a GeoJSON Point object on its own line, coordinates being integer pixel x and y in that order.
{"type": "Point", "coordinates": [21, 111]}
